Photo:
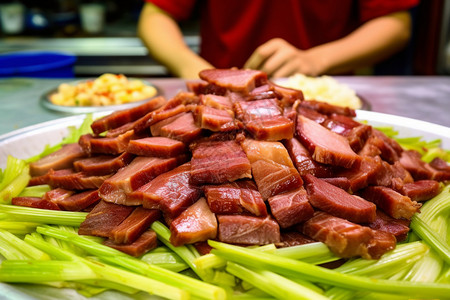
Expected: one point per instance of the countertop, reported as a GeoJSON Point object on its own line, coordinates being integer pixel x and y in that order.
{"type": "Point", "coordinates": [418, 97]}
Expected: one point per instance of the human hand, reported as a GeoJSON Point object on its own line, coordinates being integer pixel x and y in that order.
{"type": "Point", "coordinates": [278, 58]}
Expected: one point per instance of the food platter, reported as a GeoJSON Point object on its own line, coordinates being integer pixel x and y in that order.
{"type": "Point", "coordinates": [29, 141]}
{"type": "Point", "coordinates": [47, 103]}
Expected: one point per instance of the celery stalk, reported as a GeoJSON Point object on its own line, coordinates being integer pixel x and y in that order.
{"type": "Point", "coordinates": [15, 227]}
{"type": "Point", "coordinates": [35, 191]}
{"type": "Point", "coordinates": [295, 268]}
{"type": "Point", "coordinates": [314, 253]}
{"type": "Point", "coordinates": [21, 246]}
{"type": "Point", "coordinates": [15, 187]}
{"type": "Point", "coordinates": [14, 166]}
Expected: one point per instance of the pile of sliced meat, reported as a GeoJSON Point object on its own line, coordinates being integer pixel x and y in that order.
{"type": "Point", "coordinates": [241, 160]}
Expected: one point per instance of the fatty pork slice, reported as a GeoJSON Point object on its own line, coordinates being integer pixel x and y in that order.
{"type": "Point", "coordinates": [214, 119]}
{"type": "Point", "coordinates": [421, 190]}
{"type": "Point", "coordinates": [411, 161]}
{"type": "Point", "coordinates": [205, 88]}
{"type": "Point", "coordinates": [139, 172]}
{"type": "Point", "coordinates": [196, 224]}
{"type": "Point", "coordinates": [363, 174]}
{"type": "Point", "coordinates": [391, 202]}
{"type": "Point", "coordinates": [327, 108]}
{"type": "Point", "coordinates": [291, 208]}
{"type": "Point", "coordinates": [218, 102]}
{"type": "Point", "coordinates": [303, 161]}
{"type": "Point", "coordinates": [103, 164]}
{"type": "Point", "coordinates": [182, 129]}
{"type": "Point", "coordinates": [325, 146]}
{"type": "Point", "coordinates": [338, 202]}
{"type": "Point", "coordinates": [248, 230]}
{"type": "Point", "coordinates": [79, 201]}
{"type": "Point", "coordinates": [70, 180]}
{"type": "Point", "coordinates": [122, 117]}
{"type": "Point", "coordinates": [144, 243]}
{"type": "Point", "coordinates": [235, 80]}
{"type": "Point", "coordinates": [264, 120]}
{"type": "Point", "coordinates": [217, 162]}
{"type": "Point", "coordinates": [235, 197]}
{"type": "Point", "coordinates": [134, 225]}
{"type": "Point", "coordinates": [35, 202]}
{"type": "Point", "coordinates": [272, 168]}
{"type": "Point", "coordinates": [171, 192]}
{"type": "Point", "coordinates": [398, 227]}
{"type": "Point", "coordinates": [103, 218]}
{"type": "Point", "coordinates": [106, 145]}
{"type": "Point", "coordinates": [57, 194]}
{"type": "Point", "coordinates": [347, 239]}
{"type": "Point", "coordinates": [157, 147]}
{"type": "Point", "coordinates": [60, 159]}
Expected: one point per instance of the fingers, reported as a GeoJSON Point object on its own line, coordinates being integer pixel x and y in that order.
{"type": "Point", "coordinates": [262, 53]}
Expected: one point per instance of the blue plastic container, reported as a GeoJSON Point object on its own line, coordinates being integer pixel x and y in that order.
{"type": "Point", "coordinates": [37, 64]}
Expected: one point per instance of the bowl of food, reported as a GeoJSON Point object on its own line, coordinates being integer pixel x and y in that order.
{"type": "Point", "coordinates": [106, 92]}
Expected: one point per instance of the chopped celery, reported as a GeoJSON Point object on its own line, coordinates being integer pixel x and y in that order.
{"type": "Point", "coordinates": [290, 267]}
{"type": "Point", "coordinates": [14, 166]}
{"type": "Point", "coordinates": [16, 227]}
{"type": "Point", "coordinates": [427, 269]}
{"type": "Point", "coordinates": [44, 216]}
{"type": "Point", "coordinates": [35, 191]}
{"type": "Point", "coordinates": [314, 253]}
{"type": "Point", "coordinates": [15, 187]}
{"type": "Point", "coordinates": [167, 260]}
{"type": "Point", "coordinates": [21, 246]}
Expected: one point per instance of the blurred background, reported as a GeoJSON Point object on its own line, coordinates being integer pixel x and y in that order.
{"type": "Point", "coordinates": [102, 36]}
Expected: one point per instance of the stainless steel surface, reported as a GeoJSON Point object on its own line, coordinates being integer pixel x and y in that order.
{"type": "Point", "coordinates": [421, 98]}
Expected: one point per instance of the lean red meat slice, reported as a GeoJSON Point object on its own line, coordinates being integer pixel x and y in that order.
{"type": "Point", "coordinates": [272, 168]}
{"type": "Point", "coordinates": [103, 164]}
{"type": "Point", "coordinates": [106, 145]}
{"type": "Point", "coordinates": [157, 147]}
{"type": "Point", "coordinates": [362, 174]}
{"type": "Point", "coordinates": [215, 101]}
{"type": "Point", "coordinates": [328, 109]}
{"type": "Point", "coordinates": [347, 239]}
{"type": "Point", "coordinates": [182, 129]}
{"type": "Point", "coordinates": [398, 227]}
{"type": "Point", "coordinates": [391, 202]}
{"type": "Point", "coordinates": [196, 224]}
{"type": "Point", "coordinates": [291, 208]}
{"type": "Point", "coordinates": [214, 119]}
{"type": "Point", "coordinates": [79, 201]}
{"type": "Point", "coordinates": [303, 160]}
{"type": "Point", "coordinates": [139, 172]}
{"type": "Point", "coordinates": [134, 225]}
{"type": "Point", "coordinates": [57, 195]}
{"type": "Point", "coordinates": [70, 180]}
{"type": "Point", "coordinates": [170, 192]}
{"type": "Point", "coordinates": [294, 238]}
{"type": "Point", "coordinates": [248, 230]}
{"type": "Point", "coordinates": [264, 119]}
{"type": "Point", "coordinates": [145, 242]}
{"type": "Point", "coordinates": [235, 197]}
{"type": "Point", "coordinates": [338, 202]}
{"type": "Point", "coordinates": [235, 80]}
{"type": "Point", "coordinates": [35, 202]}
{"type": "Point", "coordinates": [218, 162]}
{"type": "Point", "coordinates": [326, 147]}
{"type": "Point", "coordinates": [421, 190]}
{"type": "Point", "coordinates": [60, 159]}
{"type": "Point", "coordinates": [122, 117]}
{"type": "Point", "coordinates": [103, 218]}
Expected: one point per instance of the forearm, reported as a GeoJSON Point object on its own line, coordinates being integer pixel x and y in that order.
{"type": "Point", "coordinates": [164, 41]}
{"type": "Point", "coordinates": [369, 44]}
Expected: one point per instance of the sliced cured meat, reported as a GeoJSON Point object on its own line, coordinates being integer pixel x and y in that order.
{"type": "Point", "coordinates": [248, 230]}
{"type": "Point", "coordinates": [57, 195]}
{"type": "Point", "coordinates": [440, 164]}
{"type": "Point", "coordinates": [362, 174]}
{"type": "Point", "coordinates": [303, 160]}
{"type": "Point", "coordinates": [60, 159]}
{"type": "Point", "coordinates": [294, 238]}
{"type": "Point", "coordinates": [398, 227]}
{"type": "Point", "coordinates": [157, 147]}
{"type": "Point", "coordinates": [38, 180]}
{"type": "Point", "coordinates": [70, 180]}
{"type": "Point", "coordinates": [35, 202]}
{"type": "Point", "coordinates": [79, 201]}
{"type": "Point", "coordinates": [379, 146]}
{"type": "Point", "coordinates": [312, 114]}
{"type": "Point", "coordinates": [214, 119]}
{"type": "Point", "coordinates": [215, 101]}
{"type": "Point", "coordinates": [286, 95]}
{"type": "Point", "coordinates": [106, 145]}
{"type": "Point", "coordinates": [235, 80]}
{"type": "Point", "coordinates": [235, 197]}
{"type": "Point", "coordinates": [338, 202]}
{"type": "Point", "coordinates": [196, 224]}
{"type": "Point", "coordinates": [205, 88]}
{"type": "Point", "coordinates": [155, 128]}
{"type": "Point", "coordinates": [103, 164]}
{"type": "Point", "coordinates": [264, 120]}
{"type": "Point", "coordinates": [170, 192]}
{"type": "Point", "coordinates": [358, 137]}
{"type": "Point", "coordinates": [421, 190]}
{"type": "Point", "coordinates": [218, 162]}
{"type": "Point", "coordinates": [139, 172]}
{"type": "Point", "coordinates": [326, 147]}
{"type": "Point", "coordinates": [104, 218]}
{"type": "Point", "coordinates": [340, 182]}
{"type": "Point", "coordinates": [291, 208]}
{"type": "Point", "coordinates": [344, 238]}
{"type": "Point", "coordinates": [391, 202]}
{"type": "Point", "coordinates": [327, 108]}
{"type": "Point", "coordinates": [381, 243]}
{"type": "Point", "coordinates": [272, 168]}
{"type": "Point", "coordinates": [182, 129]}
{"type": "Point", "coordinates": [145, 242]}
{"type": "Point", "coordinates": [122, 117]}
{"type": "Point", "coordinates": [134, 225]}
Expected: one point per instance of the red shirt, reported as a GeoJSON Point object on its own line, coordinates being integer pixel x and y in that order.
{"type": "Point", "coordinates": [232, 29]}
